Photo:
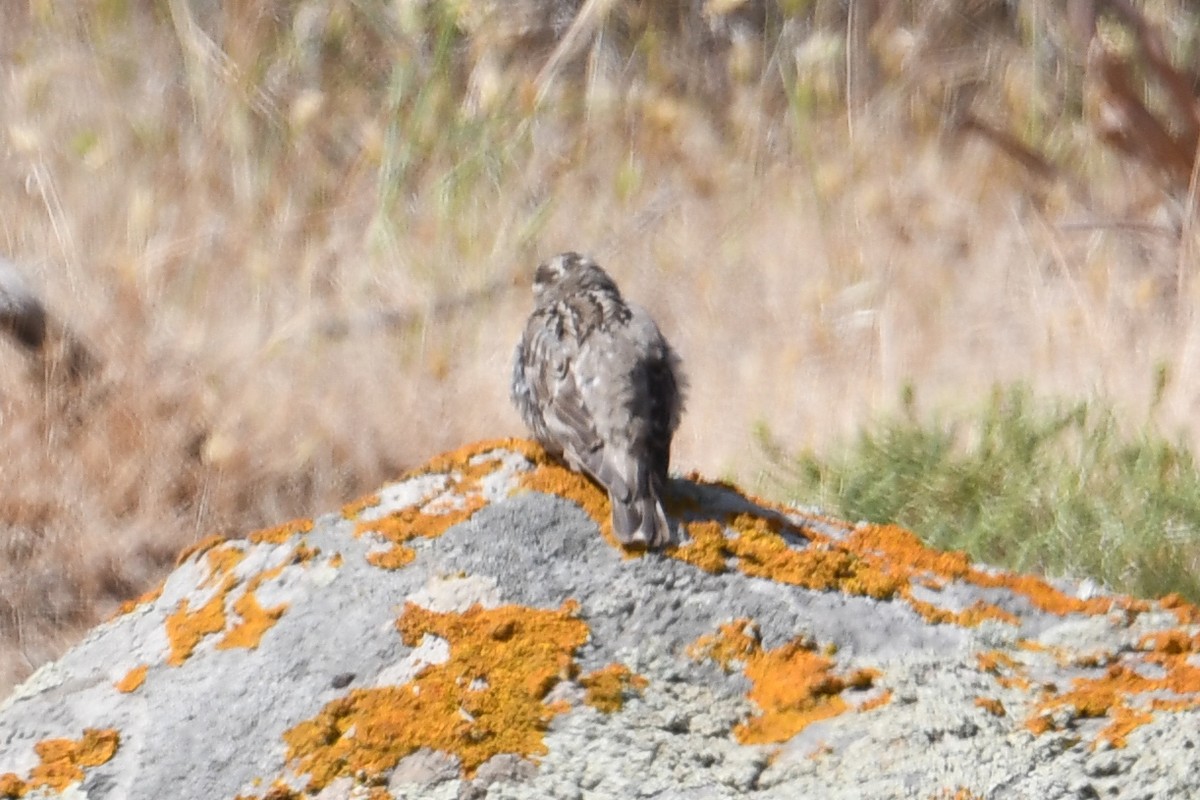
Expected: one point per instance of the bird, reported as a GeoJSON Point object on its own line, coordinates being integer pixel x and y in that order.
{"type": "Point", "coordinates": [599, 386]}
{"type": "Point", "coordinates": [22, 315]}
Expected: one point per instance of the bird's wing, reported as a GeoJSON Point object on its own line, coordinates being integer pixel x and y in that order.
{"type": "Point", "coordinates": [569, 420]}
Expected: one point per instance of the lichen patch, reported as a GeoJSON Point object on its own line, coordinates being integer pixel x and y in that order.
{"type": "Point", "coordinates": [221, 563]}
{"type": "Point", "coordinates": [438, 506]}
{"type": "Point", "coordinates": [234, 594]}
{"type": "Point", "coordinates": [11, 786]}
{"type": "Point", "coordinates": [485, 699]}
{"type": "Point", "coordinates": [254, 620]}
{"type": "Point", "coordinates": [1160, 676]}
{"type": "Point", "coordinates": [883, 562]}
{"type": "Point", "coordinates": [1007, 671]}
{"type": "Point", "coordinates": [607, 687]}
{"type": "Point", "coordinates": [281, 534]}
{"type": "Point", "coordinates": [281, 791]}
{"type": "Point", "coordinates": [133, 679]}
{"type": "Point", "coordinates": [144, 599]}
{"type": "Point", "coordinates": [62, 762]}
{"type": "Point", "coordinates": [185, 627]}
{"type": "Point", "coordinates": [991, 705]}
{"type": "Point", "coordinates": [1185, 612]}
{"type": "Point", "coordinates": [407, 524]}
{"type": "Point", "coordinates": [457, 459]}
{"type": "Point", "coordinates": [706, 548]}
{"type": "Point", "coordinates": [200, 547]}
{"type": "Point", "coordinates": [792, 685]}
{"type": "Point", "coordinates": [879, 562]}
{"type": "Point", "coordinates": [354, 508]}
{"type": "Point", "coordinates": [395, 557]}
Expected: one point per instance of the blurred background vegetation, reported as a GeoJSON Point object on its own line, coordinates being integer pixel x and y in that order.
{"type": "Point", "coordinates": [286, 247]}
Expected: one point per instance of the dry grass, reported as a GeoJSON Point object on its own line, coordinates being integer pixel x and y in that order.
{"type": "Point", "coordinates": [302, 263]}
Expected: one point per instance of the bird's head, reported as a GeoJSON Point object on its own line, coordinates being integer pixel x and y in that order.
{"type": "Point", "coordinates": [570, 272]}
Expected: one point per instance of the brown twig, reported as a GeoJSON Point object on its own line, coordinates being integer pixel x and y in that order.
{"type": "Point", "coordinates": [1010, 146]}
{"type": "Point", "coordinates": [1176, 84]}
{"type": "Point", "coordinates": [1129, 126]}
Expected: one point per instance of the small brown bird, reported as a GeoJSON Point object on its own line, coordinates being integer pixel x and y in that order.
{"type": "Point", "coordinates": [599, 386]}
{"type": "Point", "coordinates": [22, 315]}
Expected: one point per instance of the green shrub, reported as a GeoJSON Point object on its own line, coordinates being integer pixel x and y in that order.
{"type": "Point", "coordinates": [1024, 484]}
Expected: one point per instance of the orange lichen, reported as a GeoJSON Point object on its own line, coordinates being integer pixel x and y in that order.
{"type": "Point", "coordinates": [11, 786]}
{"type": "Point", "coordinates": [133, 679]}
{"type": "Point", "coordinates": [486, 699]}
{"type": "Point", "coordinates": [355, 507]}
{"type": "Point", "coordinates": [436, 513]}
{"type": "Point", "coordinates": [281, 533]}
{"type": "Point", "coordinates": [969, 617]}
{"type": "Point", "coordinates": [1185, 612]}
{"type": "Point", "coordinates": [278, 791]}
{"type": "Point", "coordinates": [1124, 721]}
{"type": "Point", "coordinates": [255, 620]}
{"type": "Point", "coordinates": [881, 562]}
{"type": "Point", "coordinates": [221, 562]}
{"type": "Point", "coordinates": [302, 554]}
{"type": "Point", "coordinates": [822, 565]}
{"type": "Point", "coordinates": [705, 548]}
{"type": "Point", "coordinates": [205, 544]}
{"type": "Point", "coordinates": [1170, 643]}
{"type": "Point", "coordinates": [461, 458]}
{"type": "Point", "coordinates": [979, 611]}
{"type": "Point", "coordinates": [62, 762]}
{"type": "Point", "coordinates": [896, 546]}
{"type": "Point", "coordinates": [1008, 672]}
{"type": "Point", "coordinates": [1045, 597]}
{"type": "Point", "coordinates": [411, 523]}
{"type": "Point", "coordinates": [1097, 658]}
{"type": "Point", "coordinates": [1115, 694]}
{"type": "Point", "coordinates": [606, 687]}
{"type": "Point", "coordinates": [882, 699]}
{"type": "Point", "coordinates": [993, 661]}
{"type": "Point", "coordinates": [185, 628]}
{"type": "Point", "coordinates": [1039, 724]}
{"type": "Point", "coordinates": [394, 557]}
{"type": "Point", "coordinates": [1014, 681]}
{"type": "Point", "coordinates": [991, 705]}
{"type": "Point", "coordinates": [901, 546]}
{"type": "Point", "coordinates": [730, 647]}
{"type": "Point", "coordinates": [792, 685]}
{"type": "Point", "coordinates": [143, 599]}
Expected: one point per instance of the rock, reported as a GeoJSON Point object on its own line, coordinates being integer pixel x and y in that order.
{"type": "Point", "coordinates": [473, 631]}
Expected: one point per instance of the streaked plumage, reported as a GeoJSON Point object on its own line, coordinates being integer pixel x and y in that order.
{"type": "Point", "coordinates": [599, 386]}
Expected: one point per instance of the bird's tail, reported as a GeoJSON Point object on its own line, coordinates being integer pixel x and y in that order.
{"type": "Point", "coordinates": [640, 519]}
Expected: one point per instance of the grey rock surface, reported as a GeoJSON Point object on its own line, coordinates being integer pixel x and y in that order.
{"type": "Point", "coordinates": [1047, 694]}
